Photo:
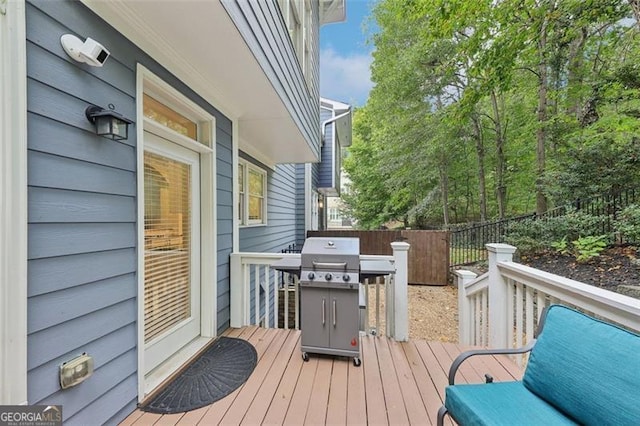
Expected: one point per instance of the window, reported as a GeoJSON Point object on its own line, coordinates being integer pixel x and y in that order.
{"type": "Point", "coordinates": [295, 27]}
{"type": "Point", "coordinates": [159, 112]}
{"type": "Point", "coordinates": [252, 200]}
{"type": "Point", "coordinates": [307, 57]}
{"type": "Point", "coordinates": [298, 18]}
{"type": "Point", "coordinates": [334, 214]}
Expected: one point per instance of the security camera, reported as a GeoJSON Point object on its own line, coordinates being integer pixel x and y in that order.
{"type": "Point", "coordinates": [90, 51]}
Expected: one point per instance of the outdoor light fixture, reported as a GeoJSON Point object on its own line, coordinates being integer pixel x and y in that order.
{"type": "Point", "coordinates": [109, 123]}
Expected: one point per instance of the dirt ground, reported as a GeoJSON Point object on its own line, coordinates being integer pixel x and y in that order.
{"type": "Point", "coordinates": [433, 312]}
{"type": "Point", "coordinates": [615, 269]}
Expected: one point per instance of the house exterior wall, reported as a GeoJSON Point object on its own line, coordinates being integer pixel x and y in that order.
{"type": "Point", "coordinates": [82, 230]}
{"type": "Point", "coordinates": [280, 230]}
{"type": "Point", "coordinates": [262, 26]}
{"type": "Point", "coordinates": [300, 204]}
{"type": "Point", "coordinates": [82, 279]}
{"type": "Point", "coordinates": [224, 218]}
{"type": "Point", "coordinates": [325, 170]}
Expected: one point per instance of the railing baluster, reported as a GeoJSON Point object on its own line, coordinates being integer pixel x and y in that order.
{"type": "Point", "coordinates": [256, 295]}
{"type": "Point", "coordinates": [285, 302]}
{"type": "Point", "coordinates": [377, 284]}
{"type": "Point", "coordinates": [519, 314]}
{"type": "Point", "coordinates": [367, 305]}
{"type": "Point", "coordinates": [267, 296]}
{"type": "Point", "coordinates": [510, 309]}
{"type": "Point", "coordinates": [296, 293]}
{"type": "Point", "coordinates": [476, 320]}
{"type": "Point", "coordinates": [540, 304]}
{"type": "Point", "coordinates": [247, 292]}
{"type": "Point", "coordinates": [529, 312]}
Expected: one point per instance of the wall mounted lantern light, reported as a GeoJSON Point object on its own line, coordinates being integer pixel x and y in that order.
{"type": "Point", "coordinates": [109, 123]}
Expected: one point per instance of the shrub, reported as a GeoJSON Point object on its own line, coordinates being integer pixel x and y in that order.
{"type": "Point", "coordinates": [561, 246]}
{"type": "Point", "coordinates": [589, 247]}
{"type": "Point", "coordinates": [628, 224]}
{"type": "Point", "coordinates": [534, 235]}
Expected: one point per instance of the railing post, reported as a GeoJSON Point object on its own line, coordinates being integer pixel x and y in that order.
{"type": "Point", "coordinates": [237, 291]}
{"type": "Point", "coordinates": [498, 316]}
{"type": "Point", "coordinates": [464, 311]}
{"type": "Point", "coordinates": [401, 300]}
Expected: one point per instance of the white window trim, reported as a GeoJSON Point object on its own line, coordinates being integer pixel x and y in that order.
{"type": "Point", "coordinates": [147, 82]}
{"type": "Point", "coordinates": [13, 214]}
{"type": "Point", "coordinates": [244, 222]}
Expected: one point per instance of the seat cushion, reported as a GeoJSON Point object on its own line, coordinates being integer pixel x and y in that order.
{"type": "Point", "coordinates": [503, 403]}
{"type": "Point", "coordinates": [586, 368]}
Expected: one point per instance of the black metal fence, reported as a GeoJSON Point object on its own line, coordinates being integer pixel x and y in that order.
{"type": "Point", "coordinates": [467, 242]}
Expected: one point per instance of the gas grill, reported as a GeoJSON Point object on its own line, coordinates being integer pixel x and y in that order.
{"type": "Point", "coordinates": [329, 302]}
{"type": "Point", "coordinates": [330, 272]}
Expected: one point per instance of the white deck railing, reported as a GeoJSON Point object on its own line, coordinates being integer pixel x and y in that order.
{"type": "Point", "coordinates": [500, 309]}
{"type": "Point", "coordinates": [277, 294]}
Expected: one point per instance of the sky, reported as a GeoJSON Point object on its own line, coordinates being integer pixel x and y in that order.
{"type": "Point", "coordinates": [345, 56]}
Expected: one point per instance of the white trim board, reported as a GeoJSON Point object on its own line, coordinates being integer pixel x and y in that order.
{"type": "Point", "coordinates": [13, 210]}
{"type": "Point", "coordinates": [208, 226]}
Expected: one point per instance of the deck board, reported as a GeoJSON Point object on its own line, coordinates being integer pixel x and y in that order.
{"type": "Point", "coordinates": [396, 410]}
{"type": "Point", "coordinates": [416, 411]}
{"type": "Point", "coordinates": [337, 407]}
{"type": "Point", "coordinates": [376, 407]}
{"type": "Point", "coordinates": [397, 383]}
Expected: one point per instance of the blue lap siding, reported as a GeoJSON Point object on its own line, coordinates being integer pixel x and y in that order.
{"type": "Point", "coordinates": [82, 266]}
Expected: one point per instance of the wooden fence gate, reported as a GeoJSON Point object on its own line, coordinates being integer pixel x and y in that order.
{"type": "Point", "coordinates": [428, 255]}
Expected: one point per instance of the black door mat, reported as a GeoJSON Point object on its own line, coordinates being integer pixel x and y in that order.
{"type": "Point", "coordinates": [216, 373]}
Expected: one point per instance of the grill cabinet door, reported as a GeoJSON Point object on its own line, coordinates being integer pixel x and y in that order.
{"type": "Point", "coordinates": [315, 316]}
{"type": "Point", "coordinates": [344, 314]}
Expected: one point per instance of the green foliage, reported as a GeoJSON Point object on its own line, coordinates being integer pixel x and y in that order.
{"type": "Point", "coordinates": [589, 247]}
{"type": "Point", "coordinates": [538, 235]}
{"type": "Point", "coordinates": [455, 113]}
{"type": "Point", "coordinates": [628, 224]}
{"type": "Point", "coordinates": [561, 246]}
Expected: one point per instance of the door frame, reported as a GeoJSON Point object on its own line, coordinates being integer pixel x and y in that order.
{"type": "Point", "coordinates": [148, 82]}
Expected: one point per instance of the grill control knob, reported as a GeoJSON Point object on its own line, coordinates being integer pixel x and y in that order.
{"type": "Point", "coordinates": [311, 275]}
{"type": "Point", "coordinates": [328, 277]}
{"type": "Point", "coordinates": [346, 277]}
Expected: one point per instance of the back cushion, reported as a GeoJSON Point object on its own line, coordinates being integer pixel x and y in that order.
{"type": "Point", "coordinates": [588, 369]}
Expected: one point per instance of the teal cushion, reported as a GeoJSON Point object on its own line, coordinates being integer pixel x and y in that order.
{"type": "Point", "coordinates": [500, 403]}
{"type": "Point", "coordinates": [586, 368]}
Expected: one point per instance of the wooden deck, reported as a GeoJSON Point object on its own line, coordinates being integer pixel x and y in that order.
{"type": "Point", "coordinates": [397, 383]}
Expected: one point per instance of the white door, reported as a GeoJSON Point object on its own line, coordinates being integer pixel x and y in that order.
{"type": "Point", "coordinates": [171, 249]}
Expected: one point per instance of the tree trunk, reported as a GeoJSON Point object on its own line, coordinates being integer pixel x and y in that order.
{"type": "Point", "coordinates": [501, 163]}
{"type": "Point", "coordinates": [635, 6]}
{"type": "Point", "coordinates": [482, 184]}
{"type": "Point", "coordinates": [444, 188]}
{"type": "Point", "coordinates": [575, 74]}
{"type": "Point", "coordinates": [541, 133]}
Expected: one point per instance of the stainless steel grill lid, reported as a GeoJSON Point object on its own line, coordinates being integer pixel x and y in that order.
{"type": "Point", "coordinates": [331, 254]}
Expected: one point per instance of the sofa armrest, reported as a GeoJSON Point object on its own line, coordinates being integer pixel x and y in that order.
{"type": "Point", "coordinates": [468, 354]}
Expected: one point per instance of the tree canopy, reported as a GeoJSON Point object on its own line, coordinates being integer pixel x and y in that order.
{"type": "Point", "coordinates": [484, 109]}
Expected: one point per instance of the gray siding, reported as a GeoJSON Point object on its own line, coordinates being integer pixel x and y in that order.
{"type": "Point", "coordinates": [280, 230]}
{"type": "Point", "coordinates": [82, 284]}
{"type": "Point", "coordinates": [262, 26]}
{"type": "Point", "coordinates": [224, 212]}
{"type": "Point", "coordinates": [300, 205]}
{"type": "Point", "coordinates": [325, 169]}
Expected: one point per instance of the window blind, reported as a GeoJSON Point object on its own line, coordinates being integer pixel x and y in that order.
{"type": "Point", "coordinates": [167, 259]}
